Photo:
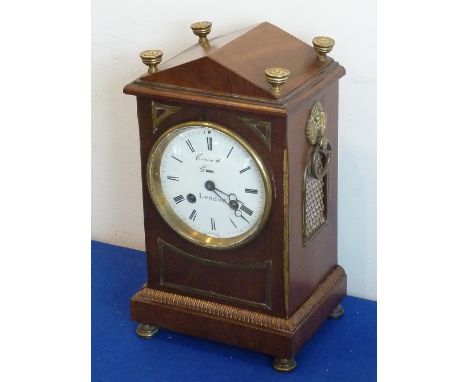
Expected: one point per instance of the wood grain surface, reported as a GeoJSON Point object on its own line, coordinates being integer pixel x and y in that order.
{"type": "Point", "coordinates": [220, 83]}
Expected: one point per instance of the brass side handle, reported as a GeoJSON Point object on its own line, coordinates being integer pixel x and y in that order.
{"type": "Point", "coordinates": [201, 29]}
{"type": "Point", "coordinates": [321, 157]}
{"type": "Point", "coordinates": [323, 45]}
{"type": "Point", "coordinates": [315, 134]}
{"type": "Point", "coordinates": [151, 58]}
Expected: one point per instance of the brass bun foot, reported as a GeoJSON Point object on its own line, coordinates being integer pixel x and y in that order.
{"type": "Point", "coordinates": [337, 312]}
{"type": "Point", "coordinates": [284, 364]}
{"type": "Point", "coordinates": [146, 331]}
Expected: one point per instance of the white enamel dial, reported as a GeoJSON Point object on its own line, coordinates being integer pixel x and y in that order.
{"type": "Point", "coordinates": [212, 186]}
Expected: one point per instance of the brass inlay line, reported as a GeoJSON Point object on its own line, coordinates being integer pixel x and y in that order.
{"type": "Point", "coordinates": [245, 316]}
{"type": "Point", "coordinates": [286, 228]}
{"type": "Point", "coordinates": [264, 266]}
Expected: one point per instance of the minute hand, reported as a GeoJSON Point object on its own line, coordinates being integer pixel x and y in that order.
{"type": "Point", "coordinates": [231, 197]}
{"type": "Point", "coordinates": [220, 196]}
{"type": "Point", "coordinates": [233, 203]}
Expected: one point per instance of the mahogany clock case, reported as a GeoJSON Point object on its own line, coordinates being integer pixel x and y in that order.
{"type": "Point", "coordinates": [271, 294]}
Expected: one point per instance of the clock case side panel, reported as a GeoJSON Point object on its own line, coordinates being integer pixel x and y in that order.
{"type": "Point", "coordinates": [182, 262]}
{"type": "Point", "coordinates": [312, 260]}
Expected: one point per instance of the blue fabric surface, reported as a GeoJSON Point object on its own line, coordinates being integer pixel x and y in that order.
{"type": "Point", "coordinates": [341, 350]}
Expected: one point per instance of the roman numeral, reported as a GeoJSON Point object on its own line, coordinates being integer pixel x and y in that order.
{"type": "Point", "coordinates": [244, 170]}
{"type": "Point", "coordinates": [177, 159]}
{"type": "Point", "coordinates": [193, 215]}
{"type": "Point", "coordinates": [229, 153]}
{"type": "Point", "coordinates": [234, 224]}
{"type": "Point", "coordinates": [189, 144]}
{"type": "Point", "coordinates": [209, 143]}
{"type": "Point", "coordinates": [178, 199]}
{"type": "Point", "coordinates": [248, 211]}
{"type": "Point", "coordinates": [251, 191]}
{"type": "Point", "coordinates": [213, 225]}
{"type": "Point", "coordinates": [176, 178]}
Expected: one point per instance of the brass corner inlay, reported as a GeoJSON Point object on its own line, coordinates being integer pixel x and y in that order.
{"type": "Point", "coordinates": [286, 228]}
{"type": "Point", "coordinates": [264, 266]}
{"type": "Point", "coordinates": [261, 128]}
{"type": "Point", "coordinates": [244, 316]}
{"type": "Point", "coordinates": [160, 112]}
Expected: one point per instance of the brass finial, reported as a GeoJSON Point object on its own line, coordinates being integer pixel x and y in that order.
{"type": "Point", "coordinates": [276, 77]}
{"type": "Point", "coordinates": [201, 29]}
{"type": "Point", "coordinates": [151, 58]}
{"type": "Point", "coordinates": [322, 46]}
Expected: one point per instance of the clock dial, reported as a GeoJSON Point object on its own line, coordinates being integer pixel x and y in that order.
{"type": "Point", "coordinates": [209, 184]}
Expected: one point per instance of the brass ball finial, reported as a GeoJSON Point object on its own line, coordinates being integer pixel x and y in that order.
{"type": "Point", "coordinates": [151, 58]}
{"type": "Point", "coordinates": [322, 46]}
{"type": "Point", "coordinates": [201, 29]}
{"type": "Point", "coordinates": [276, 77]}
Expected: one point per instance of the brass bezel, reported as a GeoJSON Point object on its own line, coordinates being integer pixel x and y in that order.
{"type": "Point", "coordinates": [168, 214]}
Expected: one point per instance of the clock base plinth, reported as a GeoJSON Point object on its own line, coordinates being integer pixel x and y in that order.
{"type": "Point", "coordinates": [272, 335]}
{"type": "Point", "coordinates": [146, 330]}
{"type": "Point", "coordinates": [284, 364]}
{"type": "Point", "coordinates": [337, 312]}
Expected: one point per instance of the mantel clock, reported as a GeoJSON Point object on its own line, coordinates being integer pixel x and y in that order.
{"type": "Point", "coordinates": [238, 138]}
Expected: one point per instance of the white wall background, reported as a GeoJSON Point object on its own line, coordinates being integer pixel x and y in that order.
{"type": "Point", "coordinates": [121, 29]}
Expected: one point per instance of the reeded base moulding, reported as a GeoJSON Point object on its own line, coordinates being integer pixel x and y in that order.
{"type": "Point", "coordinates": [261, 332]}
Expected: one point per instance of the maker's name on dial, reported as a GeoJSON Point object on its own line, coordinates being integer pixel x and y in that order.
{"type": "Point", "coordinates": [201, 157]}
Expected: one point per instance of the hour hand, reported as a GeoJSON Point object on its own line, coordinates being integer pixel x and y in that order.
{"type": "Point", "coordinates": [233, 201]}
{"type": "Point", "coordinates": [211, 186]}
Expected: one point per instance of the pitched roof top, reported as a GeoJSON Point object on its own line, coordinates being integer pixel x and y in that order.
{"type": "Point", "coordinates": [235, 63]}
